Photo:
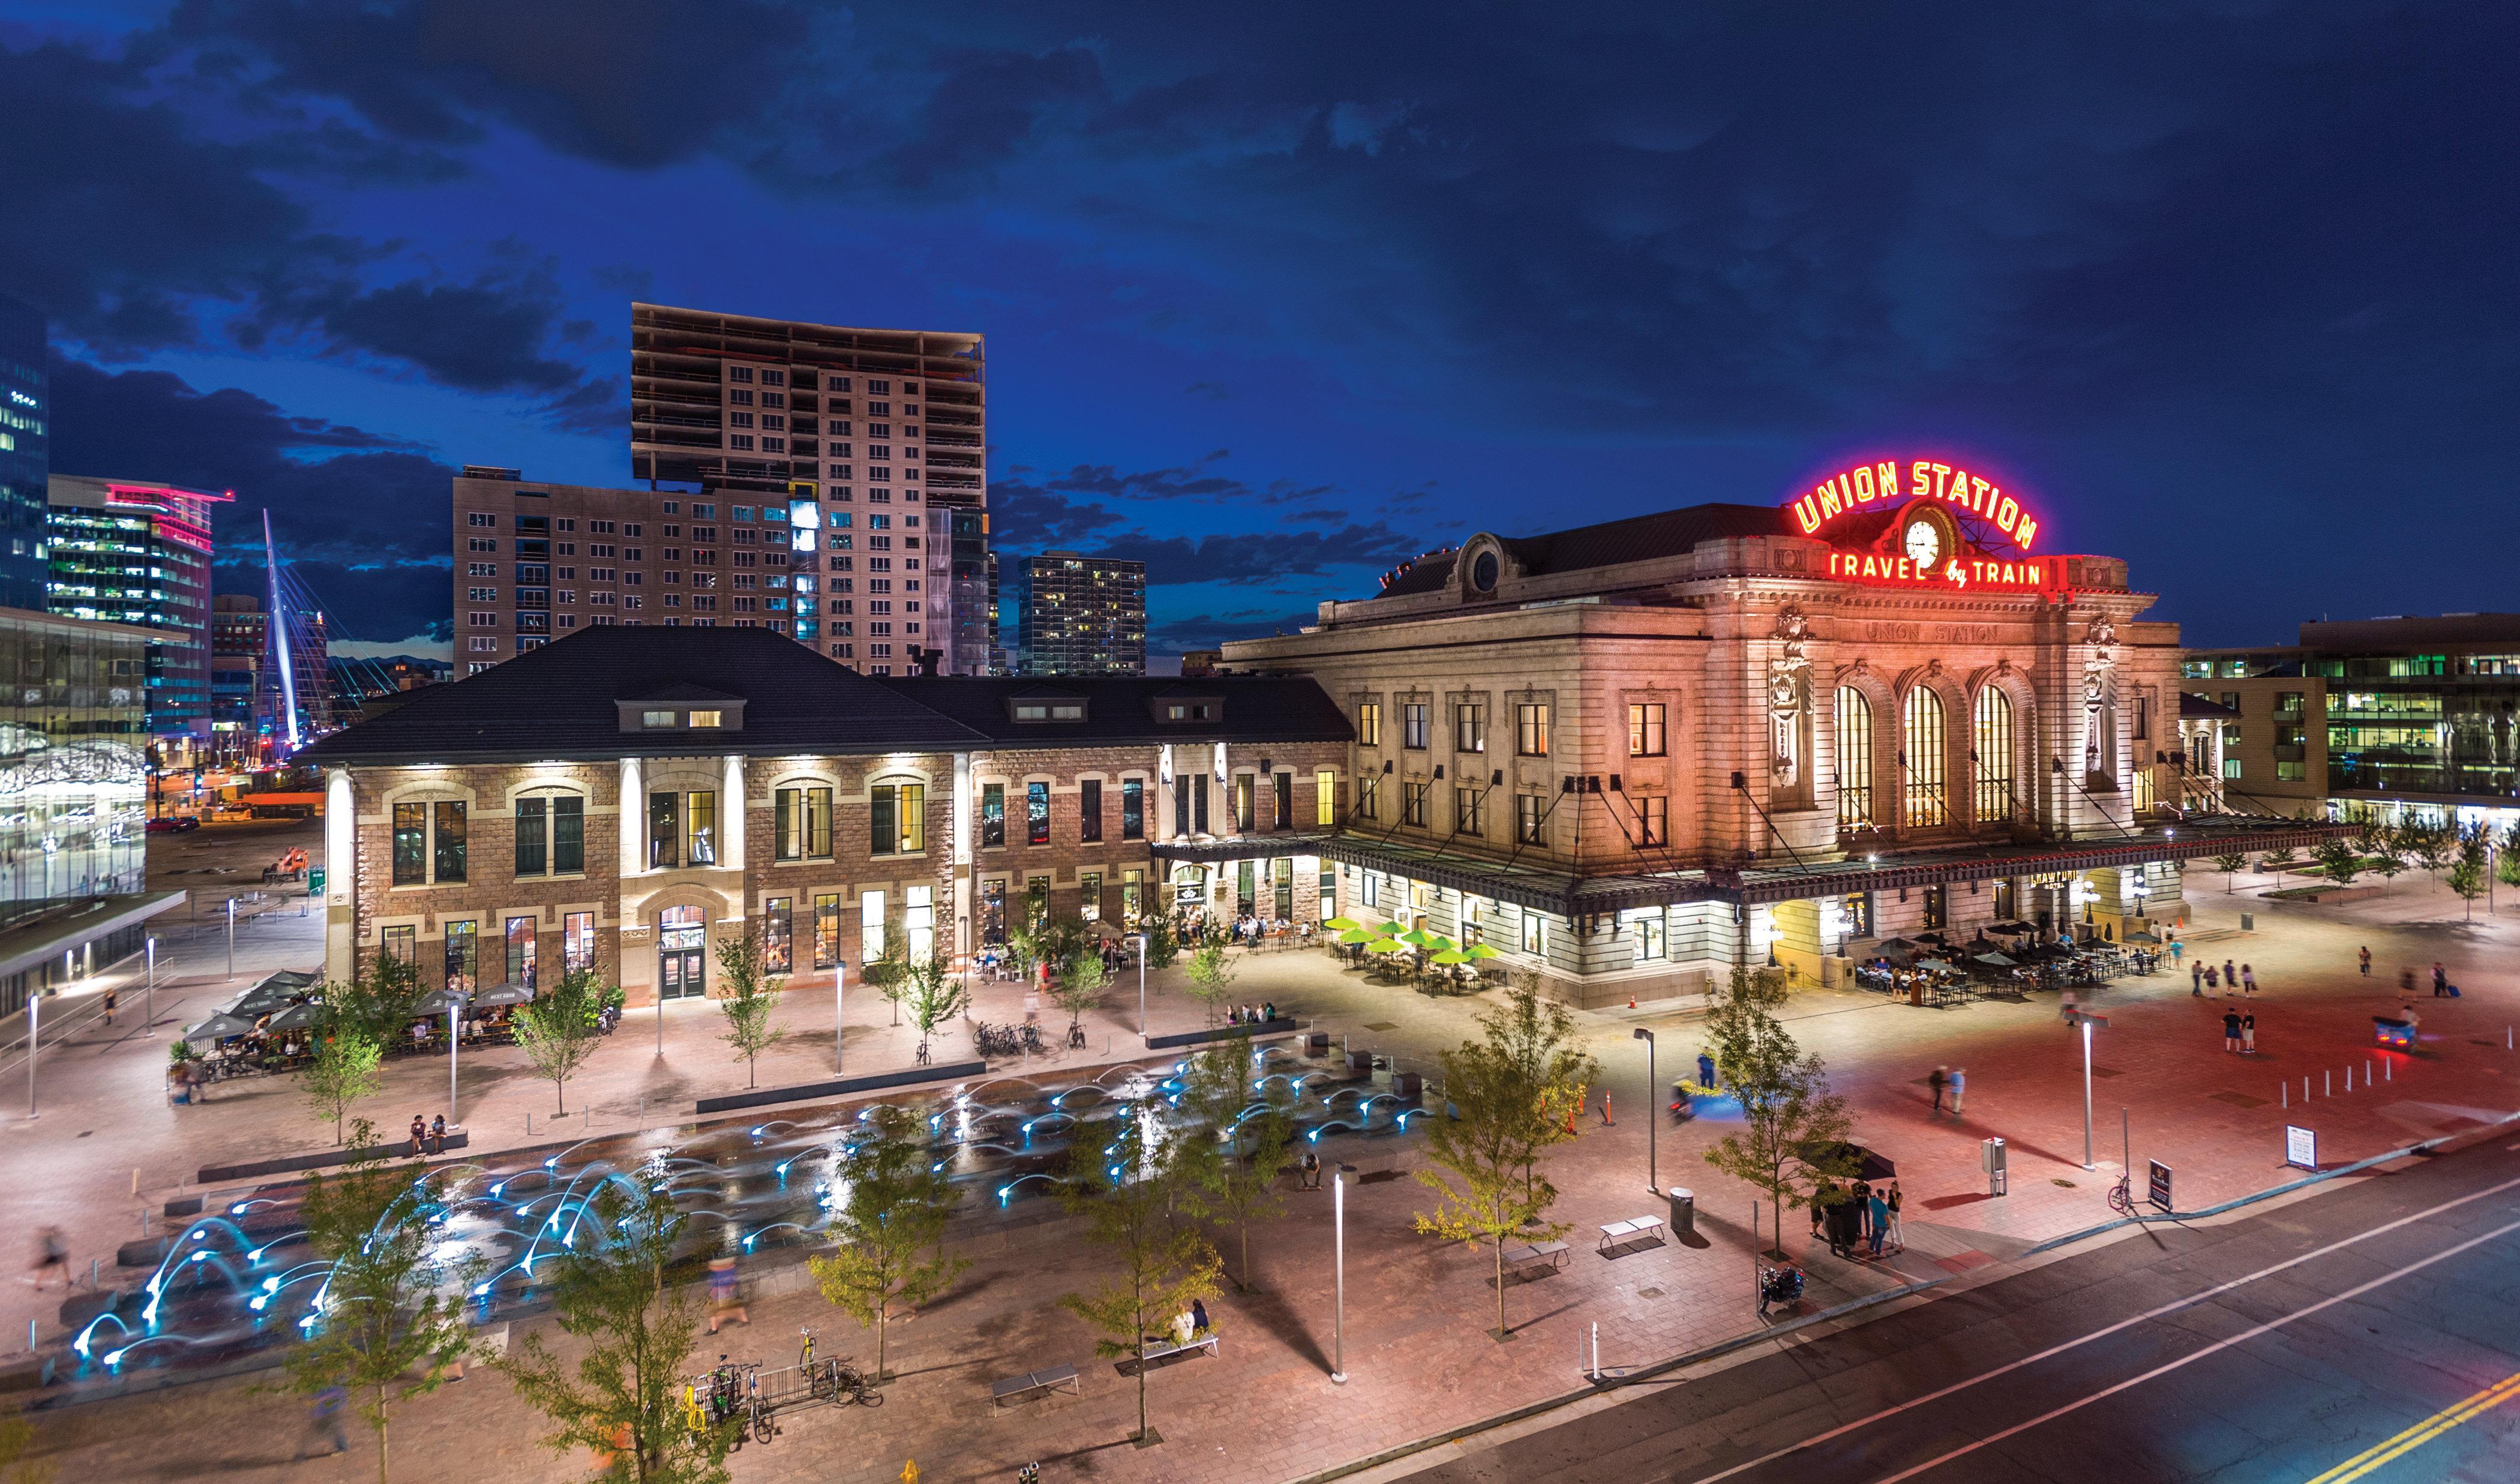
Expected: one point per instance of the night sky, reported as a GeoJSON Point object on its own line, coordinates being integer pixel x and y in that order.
{"type": "Point", "coordinates": [1279, 295]}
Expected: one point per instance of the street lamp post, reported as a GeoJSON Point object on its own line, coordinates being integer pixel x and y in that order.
{"type": "Point", "coordinates": [35, 1043]}
{"type": "Point", "coordinates": [151, 1011]}
{"type": "Point", "coordinates": [231, 937]}
{"type": "Point", "coordinates": [2086, 1021]}
{"type": "Point", "coordinates": [454, 1041]}
{"type": "Point", "coordinates": [839, 977]}
{"type": "Point", "coordinates": [1141, 985]}
{"type": "Point", "coordinates": [1653, 1172]}
{"type": "Point", "coordinates": [1338, 1313]}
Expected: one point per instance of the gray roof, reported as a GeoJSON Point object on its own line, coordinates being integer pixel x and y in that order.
{"type": "Point", "coordinates": [1122, 708]}
{"type": "Point", "coordinates": [1638, 538]}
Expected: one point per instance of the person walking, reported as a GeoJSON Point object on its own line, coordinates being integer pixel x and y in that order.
{"type": "Point", "coordinates": [725, 1302]}
{"type": "Point", "coordinates": [1819, 1207]}
{"type": "Point", "coordinates": [2230, 979]}
{"type": "Point", "coordinates": [2441, 981]}
{"type": "Point", "coordinates": [2366, 957]}
{"type": "Point", "coordinates": [2248, 981]}
{"type": "Point", "coordinates": [2178, 950]}
{"type": "Point", "coordinates": [109, 1006]}
{"type": "Point", "coordinates": [1938, 1080]}
{"type": "Point", "coordinates": [2197, 979]}
{"type": "Point", "coordinates": [2249, 1034]}
{"type": "Point", "coordinates": [1706, 1071]}
{"type": "Point", "coordinates": [2230, 1030]}
{"type": "Point", "coordinates": [52, 1252]}
{"type": "Point", "coordinates": [324, 1419]}
{"type": "Point", "coordinates": [1960, 1085]}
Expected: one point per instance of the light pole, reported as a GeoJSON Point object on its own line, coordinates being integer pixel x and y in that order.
{"type": "Point", "coordinates": [1141, 985]}
{"type": "Point", "coordinates": [1654, 1173]}
{"type": "Point", "coordinates": [2085, 1020]}
{"type": "Point", "coordinates": [660, 1011]}
{"type": "Point", "coordinates": [839, 976]}
{"type": "Point", "coordinates": [1338, 1313]}
{"type": "Point", "coordinates": [151, 1011]}
{"type": "Point", "coordinates": [231, 937]}
{"type": "Point", "coordinates": [35, 1043]}
{"type": "Point", "coordinates": [454, 1039]}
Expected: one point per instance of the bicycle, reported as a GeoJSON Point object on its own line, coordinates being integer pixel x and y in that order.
{"type": "Point", "coordinates": [756, 1413]}
{"type": "Point", "coordinates": [836, 1381]}
{"type": "Point", "coordinates": [2122, 1196]}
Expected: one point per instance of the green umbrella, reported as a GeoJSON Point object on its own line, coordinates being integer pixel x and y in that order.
{"type": "Point", "coordinates": [1391, 929]}
{"type": "Point", "coordinates": [1440, 943]}
{"type": "Point", "coordinates": [1342, 925]}
{"type": "Point", "coordinates": [1450, 956]}
{"type": "Point", "coordinates": [1416, 937]}
{"type": "Point", "coordinates": [1356, 935]}
{"type": "Point", "coordinates": [1386, 945]}
{"type": "Point", "coordinates": [1479, 951]}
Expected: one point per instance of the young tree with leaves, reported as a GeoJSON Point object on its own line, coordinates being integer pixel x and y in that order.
{"type": "Point", "coordinates": [2276, 862]}
{"type": "Point", "coordinates": [1163, 939]}
{"type": "Point", "coordinates": [1538, 1037]}
{"type": "Point", "coordinates": [2231, 863]}
{"type": "Point", "coordinates": [887, 973]}
{"type": "Point", "coordinates": [1078, 986]}
{"type": "Point", "coordinates": [752, 996]}
{"type": "Point", "coordinates": [2339, 861]}
{"type": "Point", "coordinates": [2428, 844]}
{"type": "Point", "coordinates": [1793, 1139]}
{"type": "Point", "coordinates": [2468, 875]}
{"type": "Point", "coordinates": [345, 1070]}
{"type": "Point", "coordinates": [622, 1396]}
{"type": "Point", "coordinates": [891, 1229]}
{"type": "Point", "coordinates": [933, 993]}
{"type": "Point", "coordinates": [17, 1452]}
{"type": "Point", "coordinates": [1211, 974]}
{"type": "Point", "coordinates": [561, 1028]}
{"type": "Point", "coordinates": [1485, 1187]}
{"type": "Point", "coordinates": [1127, 1198]}
{"type": "Point", "coordinates": [388, 1307]}
{"type": "Point", "coordinates": [1233, 1188]}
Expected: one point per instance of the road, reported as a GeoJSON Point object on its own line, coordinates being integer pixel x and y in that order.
{"type": "Point", "coordinates": [2365, 1334]}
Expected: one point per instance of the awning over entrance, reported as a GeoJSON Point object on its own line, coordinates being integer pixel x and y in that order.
{"type": "Point", "coordinates": [1535, 886]}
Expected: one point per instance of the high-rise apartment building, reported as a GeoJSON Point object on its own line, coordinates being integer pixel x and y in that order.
{"type": "Point", "coordinates": [138, 552]}
{"type": "Point", "coordinates": [1083, 615]}
{"type": "Point", "coordinates": [880, 433]}
{"type": "Point", "coordinates": [26, 408]}
{"type": "Point", "coordinates": [533, 561]}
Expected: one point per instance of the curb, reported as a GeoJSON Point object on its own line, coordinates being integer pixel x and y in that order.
{"type": "Point", "coordinates": [1721, 1348]}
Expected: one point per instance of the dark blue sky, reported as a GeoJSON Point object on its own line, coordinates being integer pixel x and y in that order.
{"type": "Point", "coordinates": [1276, 295]}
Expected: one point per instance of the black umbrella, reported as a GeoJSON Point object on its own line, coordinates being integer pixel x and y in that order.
{"type": "Point", "coordinates": [1996, 960]}
{"type": "Point", "coordinates": [1897, 945]}
{"type": "Point", "coordinates": [1867, 1164]}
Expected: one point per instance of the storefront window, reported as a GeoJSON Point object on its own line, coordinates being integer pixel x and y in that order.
{"type": "Point", "coordinates": [778, 935]}
{"type": "Point", "coordinates": [1854, 759]}
{"type": "Point", "coordinates": [1994, 749]}
{"type": "Point", "coordinates": [449, 856]}
{"type": "Point", "coordinates": [577, 940]}
{"type": "Point", "coordinates": [827, 929]}
{"type": "Point", "coordinates": [1920, 745]}
{"type": "Point", "coordinates": [993, 815]}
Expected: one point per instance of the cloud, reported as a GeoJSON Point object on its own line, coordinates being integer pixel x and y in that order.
{"type": "Point", "coordinates": [1261, 555]}
{"type": "Point", "coordinates": [361, 516]}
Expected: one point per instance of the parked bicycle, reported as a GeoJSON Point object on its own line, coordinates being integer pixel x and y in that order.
{"type": "Point", "coordinates": [2122, 1196]}
{"type": "Point", "coordinates": [836, 1381]}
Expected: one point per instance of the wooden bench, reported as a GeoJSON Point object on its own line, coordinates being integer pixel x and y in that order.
{"type": "Point", "coordinates": [1552, 1253]}
{"type": "Point", "coordinates": [1035, 1382]}
{"type": "Point", "coordinates": [1205, 1340]}
{"type": "Point", "coordinates": [1620, 1233]}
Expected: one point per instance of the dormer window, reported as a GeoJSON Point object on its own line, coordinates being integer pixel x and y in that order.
{"type": "Point", "coordinates": [1050, 711]}
{"type": "Point", "coordinates": [656, 718]}
{"type": "Point", "coordinates": [705, 719]}
{"type": "Point", "coordinates": [1186, 710]}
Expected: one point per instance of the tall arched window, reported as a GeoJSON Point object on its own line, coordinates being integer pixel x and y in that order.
{"type": "Point", "coordinates": [1995, 790]}
{"type": "Point", "coordinates": [1854, 759]}
{"type": "Point", "coordinates": [1920, 740]}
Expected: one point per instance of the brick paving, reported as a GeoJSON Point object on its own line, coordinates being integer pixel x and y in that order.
{"type": "Point", "coordinates": [1416, 1353]}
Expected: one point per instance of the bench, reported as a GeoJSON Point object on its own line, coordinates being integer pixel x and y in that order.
{"type": "Point", "coordinates": [1035, 1382]}
{"type": "Point", "coordinates": [1554, 1253]}
{"type": "Point", "coordinates": [1621, 1233]}
{"type": "Point", "coordinates": [1205, 1340]}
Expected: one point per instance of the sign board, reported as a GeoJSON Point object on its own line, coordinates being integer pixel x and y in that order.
{"type": "Point", "coordinates": [2301, 1147]}
{"type": "Point", "coordinates": [314, 881]}
{"type": "Point", "coordinates": [1923, 542]}
{"type": "Point", "coordinates": [2158, 1186]}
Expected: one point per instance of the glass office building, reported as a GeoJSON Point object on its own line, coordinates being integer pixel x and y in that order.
{"type": "Point", "coordinates": [129, 551]}
{"type": "Point", "coordinates": [24, 411]}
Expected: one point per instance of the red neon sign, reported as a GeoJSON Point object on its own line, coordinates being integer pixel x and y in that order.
{"type": "Point", "coordinates": [1956, 571]}
{"type": "Point", "coordinates": [1866, 485]}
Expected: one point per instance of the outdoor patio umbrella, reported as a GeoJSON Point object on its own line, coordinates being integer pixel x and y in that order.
{"type": "Point", "coordinates": [1355, 936]}
{"type": "Point", "coordinates": [503, 994]}
{"type": "Point", "coordinates": [301, 978]}
{"type": "Point", "coordinates": [297, 1017]}
{"type": "Point", "coordinates": [433, 1002]}
{"type": "Point", "coordinates": [1414, 937]}
{"type": "Point", "coordinates": [220, 1028]}
{"type": "Point", "coordinates": [1342, 925]}
{"type": "Point", "coordinates": [1440, 943]}
{"type": "Point", "coordinates": [1993, 960]}
{"type": "Point", "coordinates": [1386, 945]}
{"type": "Point", "coordinates": [1897, 945]}
{"type": "Point", "coordinates": [1867, 1164]}
{"type": "Point", "coordinates": [2142, 938]}
{"type": "Point", "coordinates": [1450, 956]}
{"type": "Point", "coordinates": [1390, 930]}
{"type": "Point", "coordinates": [262, 999]}
{"type": "Point", "coordinates": [1479, 951]}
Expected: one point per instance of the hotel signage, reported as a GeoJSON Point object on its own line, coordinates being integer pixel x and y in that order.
{"type": "Point", "coordinates": [1924, 545]}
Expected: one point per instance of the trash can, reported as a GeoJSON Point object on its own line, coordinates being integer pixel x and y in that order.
{"type": "Point", "coordinates": [1684, 1211]}
{"type": "Point", "coordinates": [1407, 1084]}
{"type": "Point", "coordinates": [1991, 1159]}
{"type": "Point", "coordinates": [1316, 1043]}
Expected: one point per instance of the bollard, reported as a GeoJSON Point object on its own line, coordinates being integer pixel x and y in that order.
{"type": "Point", "coordinates": [2328, 1084]}
{"type": "Point", "coordinates": [2348, 1079]}
{"type": "Point", "coordinates": [2305, 1086]}
{"type": "Point", "coordinates": [529, 1125]}
{"type": "Point", "coordinates": [2285, 1091]}
{"type": "Point", "coordinates": [2388, 1071]}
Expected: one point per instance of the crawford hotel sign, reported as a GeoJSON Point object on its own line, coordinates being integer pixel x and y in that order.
{"type": "Point", "coordinates": [1923, 523]}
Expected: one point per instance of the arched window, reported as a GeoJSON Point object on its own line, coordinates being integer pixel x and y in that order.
{"type": "Point", "coordinates": [1995, 790]}
{"type": "Point", "coordinates": [1920, 743]}
{"type": "Point", "coordinates": [1854, 759]}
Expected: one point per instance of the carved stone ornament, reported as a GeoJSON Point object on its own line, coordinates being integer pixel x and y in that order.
{"type": "Point", "coordinates": [2101, 631]}
{"type": "Point", "coordinates": [1789, 692]}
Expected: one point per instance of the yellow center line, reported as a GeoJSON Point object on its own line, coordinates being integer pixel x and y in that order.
{"type": "Point", "coordinates": [2421, 1433]}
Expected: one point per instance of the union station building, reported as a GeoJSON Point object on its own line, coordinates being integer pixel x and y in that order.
{"type": "Point", "coordinates": [1625, 756]}
{"type": "Point", "coordinates": [1631, 755]}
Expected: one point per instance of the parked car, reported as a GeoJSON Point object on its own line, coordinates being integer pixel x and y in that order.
{"type": "Point", "coordinates": [174, 824]}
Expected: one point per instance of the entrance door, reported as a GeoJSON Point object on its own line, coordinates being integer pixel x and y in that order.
{"type": "Point", "coordinates": [682, 949]}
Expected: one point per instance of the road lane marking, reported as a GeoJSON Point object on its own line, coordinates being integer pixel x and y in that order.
{"type": "Point", "coordinates": [2216, 1348]}
{"type": "Point", "coordinates": [2145, 1316]}
{"type": "Point", "coordinates": [2421, 1433]}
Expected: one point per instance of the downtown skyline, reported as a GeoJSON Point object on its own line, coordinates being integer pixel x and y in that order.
{"type": "Point", "coordinates": [1273, 309]}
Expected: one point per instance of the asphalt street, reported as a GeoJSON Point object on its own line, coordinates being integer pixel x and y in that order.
{"type": "Point", "coordinates": [2369, 1332]}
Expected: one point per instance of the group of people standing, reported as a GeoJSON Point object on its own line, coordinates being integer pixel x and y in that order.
{"type": "Point", "coordinates": [1864, 1217]}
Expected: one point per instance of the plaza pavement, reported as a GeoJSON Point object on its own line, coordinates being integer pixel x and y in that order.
{"type": "Point", "coordinates": [1419, 1359]}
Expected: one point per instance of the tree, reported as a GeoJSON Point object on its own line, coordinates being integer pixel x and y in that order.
{"type": "Point", "coordinates": [622, 1397]}
{"type": "Point", "coordinates": [17, 1445]}
{"type": "Point", "coordinates": [1538, 1036]}
{"type": "Point", "coordinates": [2467, 873]}
{"type": "Point", "coordinates": [1793, 1139]}
{"type": "Point", "coordinates": [2231, 863]}
{"type": "Point", "coordinates": [1211, 976]}
{"type": "Point", "coordinates": [1233, 1188]}
{"type": "Point", "coordinates": [345, 1070]}
{"type": "Point", "coordinates": [1499, 1122]}
{"type": "Point", "coordinates": [2506, 858]}
{"type": "Point", "coordinates": [1127, 1204]}
{"type": "Point", "coordinates": [2427, 844]}
{"type": "Point", "coordinates": [561, 1028]}
{"type": "Point", "coordinates": [891, 1229]}
{"type": "Point", "coordinates": [1079, 986]}
{"type": "Point", "coordinates": [888, 972]}
{"type": "Point", "coordinates": [388, 1305]}
{"type": "Point", "coordinates": [933, 993]}
{"type": "Point", "coordinates": [1162, 940]}
{"type": "Point", "coordinates": [2277, 862]}
{"type": "Point", "coordinates": [2339, 860]}
{"type": "Point", "coordinates": [751, 996]}
{"type": "Point", "coordinates": [379, 1005]}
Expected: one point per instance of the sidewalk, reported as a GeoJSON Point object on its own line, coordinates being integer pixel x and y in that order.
{"type": "Point", "coordinates": [1415, 1352]}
